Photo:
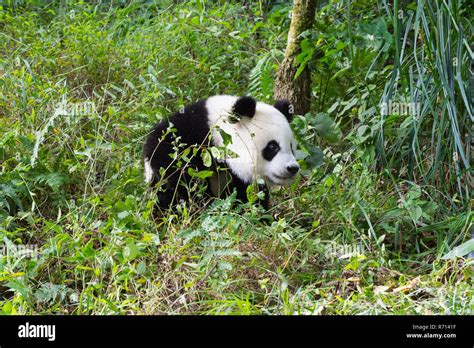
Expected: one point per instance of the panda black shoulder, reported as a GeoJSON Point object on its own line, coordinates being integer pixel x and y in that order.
{"type": "Point", "coordinates": [191, 123]}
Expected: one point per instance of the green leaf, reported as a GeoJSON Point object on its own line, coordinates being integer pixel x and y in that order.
{"type": "Point", "coordinates": [19, 286]}
{"type": "Point", "coordinates": [55, 180]}
{"type": "Point", "coordinates": [203, 174]}
{"type": "Point", "coordinates": [130, 251]}
{"type": "Point", "coordinates": [461, 250]}
{"type": "Point", "coordinates": [415, 213]}
{"type": "Point", "coordinates": [315, 158]}
{"type": "Point", "coordinates": [329, 182]}
{"type": "Point", "coordinates": [215, 152]}
{"type": "Point", "coordinates": [206, 158]}
{"type": "Point", "coordinates": [322, 123]}
{"type": "Point", "coordinates": [7, 308]}
{"type": "Point", "coordinates": [325, 127]}
{"type": "Point", "coordinates": [50, 292]}
{"type": "Point", "coordinates": [226, 137]}
{"type": "Point", "coordinates": [141, 268]}
{"type": "Point", "coordinates": [52, 226]}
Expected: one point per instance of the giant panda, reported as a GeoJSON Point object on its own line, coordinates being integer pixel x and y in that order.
{"type": "Point", "coordinates": [262, 147]}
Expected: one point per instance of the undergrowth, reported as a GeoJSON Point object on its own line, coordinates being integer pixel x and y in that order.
{"type": "Point", "coordinates": [81, 85]}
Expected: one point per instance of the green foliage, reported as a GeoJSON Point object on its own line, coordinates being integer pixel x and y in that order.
{"type": "Point", "coordinates": [374, 215]}
{"type": "Point", "coordinates": [433, 142]}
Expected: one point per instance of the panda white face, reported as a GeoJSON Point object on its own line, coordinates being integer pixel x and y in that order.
{"type": "Point", "coordinates": [278, 162]}
{"type": "Point", "coordinates": [261, 137]}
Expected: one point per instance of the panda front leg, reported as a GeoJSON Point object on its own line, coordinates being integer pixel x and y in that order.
{"type": "Point", "coordinates": [168, 182]}
{"type": "Point", "coordinates": [265, 202]}
{"type": "Point", "coordinates": [241, 188]}
{"type": "Point", "coordinates": [176, 189]}
{"type": "Point", "coordinates": [167, 194]}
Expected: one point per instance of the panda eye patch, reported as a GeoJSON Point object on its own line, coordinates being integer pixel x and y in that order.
{"type": "Point", "coordinates": [270, 150]}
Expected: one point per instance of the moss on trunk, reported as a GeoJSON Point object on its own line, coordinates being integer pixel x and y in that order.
{"type": "Point", "coordinates": [297, 91]}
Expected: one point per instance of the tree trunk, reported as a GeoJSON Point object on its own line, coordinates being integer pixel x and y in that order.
{"type": "Point", "coordinates": [298, 91]}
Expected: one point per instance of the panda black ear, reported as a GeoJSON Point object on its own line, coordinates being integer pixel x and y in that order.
{"type": "Point", "coordinates": [244, 107]}
{"type": "Point", "coordinates": [285, 108]}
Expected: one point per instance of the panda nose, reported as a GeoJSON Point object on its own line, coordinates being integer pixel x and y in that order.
{"type": "Point", "coordinates": [293, 169]}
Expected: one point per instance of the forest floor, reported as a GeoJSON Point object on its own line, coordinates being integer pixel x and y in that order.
{"type": "Point", "coordinates": [81, 88]}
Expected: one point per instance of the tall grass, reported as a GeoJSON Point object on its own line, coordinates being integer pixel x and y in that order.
{"type": "Point", "coordinates": [432, 69]}
{"type": "Point", "coordinates": [343, 237]}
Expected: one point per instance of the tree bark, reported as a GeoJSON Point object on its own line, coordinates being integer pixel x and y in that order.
{"type": "Point", "coordinates": [297, 91]}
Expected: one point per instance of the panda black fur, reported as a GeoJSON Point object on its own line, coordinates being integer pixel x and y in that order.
{"type": "Point", "coordinates": [261, 139]}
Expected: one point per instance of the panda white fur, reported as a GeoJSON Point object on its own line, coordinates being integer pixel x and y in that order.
{"type": "Point", "coordinates": [262, 147]}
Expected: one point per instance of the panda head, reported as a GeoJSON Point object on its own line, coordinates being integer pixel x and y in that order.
{"type": "Point", "coordinates": [261, 138]}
